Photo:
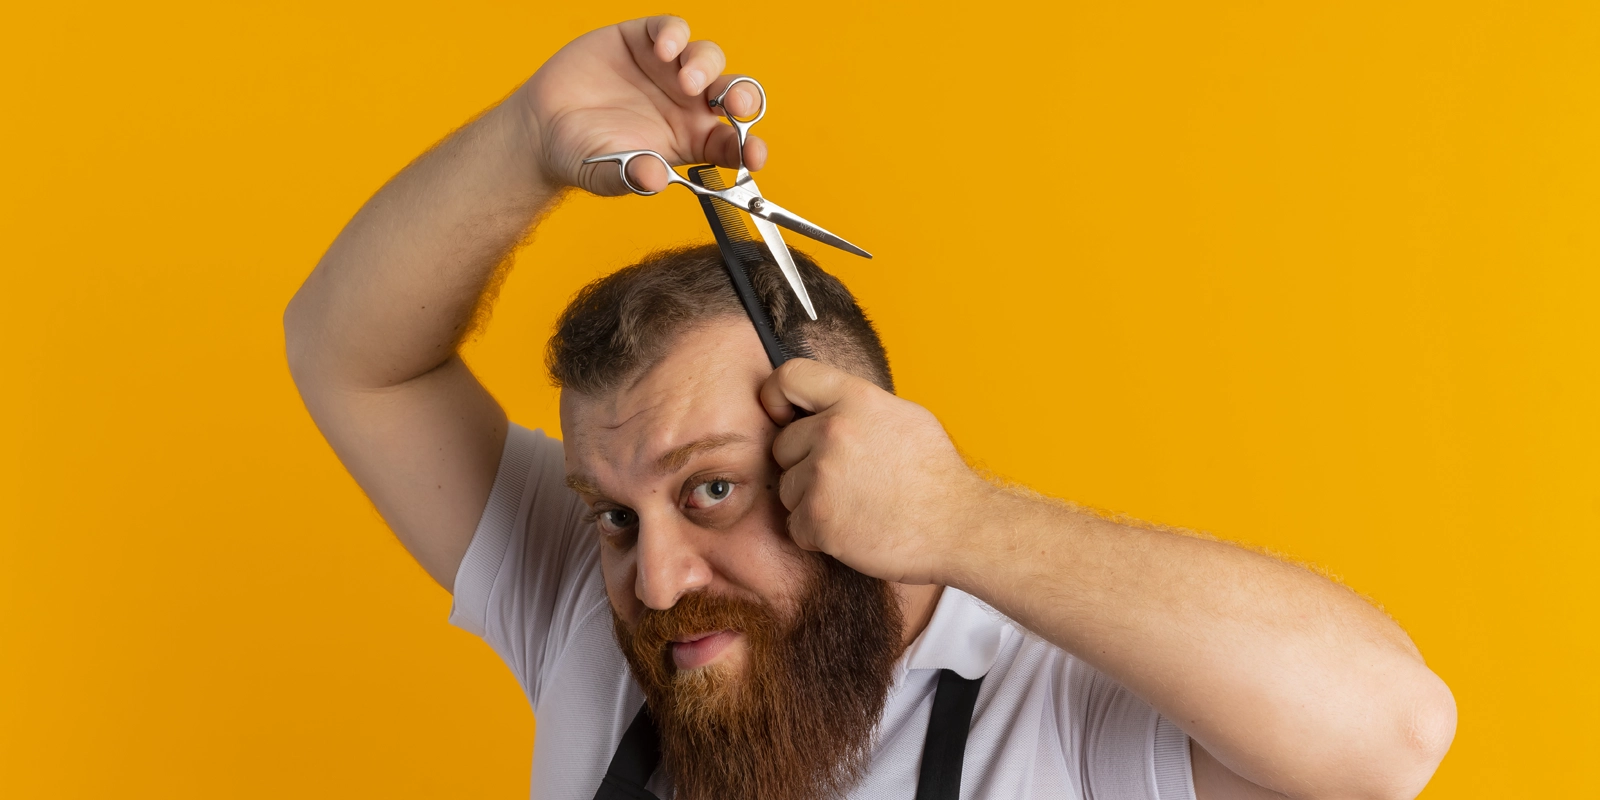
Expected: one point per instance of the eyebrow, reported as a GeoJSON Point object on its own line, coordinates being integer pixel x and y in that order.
{"type": "Point", "coordinates": [678, 456]}
{"type": "Point", "coordinates": [671, 460]}
{"type": "Point", "coordinates": [583, 484]}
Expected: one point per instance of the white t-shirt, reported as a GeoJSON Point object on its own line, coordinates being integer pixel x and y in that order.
{"type": "Point", "coordinates": [1046, 725]}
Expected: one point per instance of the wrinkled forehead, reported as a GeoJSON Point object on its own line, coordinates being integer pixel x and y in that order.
{"type": "Point", "coordinates": [707, 385]}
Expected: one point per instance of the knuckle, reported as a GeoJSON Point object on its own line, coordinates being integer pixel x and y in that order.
{"type": "Point", "coordinates": [820, 517]}
{"type": "Point", "coordinates": [801, 430]}
{"type": "Point", "coordinates": [828, 427]}
{"type": "Point", "coordinates": [818, 503]}
{"type": "Point", "coordinates": [868, 392]}
{"type": "Point", "coordinates": [837, 427]}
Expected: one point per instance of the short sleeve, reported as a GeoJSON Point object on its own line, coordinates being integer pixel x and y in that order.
{"type": "Point", "coordinates": [531, 571]}
{"type": "Point", "coordinates": [1130, 750]}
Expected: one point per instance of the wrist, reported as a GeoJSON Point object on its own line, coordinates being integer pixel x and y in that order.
{"type": "Point", "coordinates": [980, 527]}
{"type": "Point", "coordinates": [1007, 534]}
{"type": "Point", "coordinates": [526, 136]}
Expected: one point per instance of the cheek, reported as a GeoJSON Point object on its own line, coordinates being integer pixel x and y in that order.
{"type": "Point", "coordinates": [760, 559]}
{"type": "Point", "coordinates": [618, 570]}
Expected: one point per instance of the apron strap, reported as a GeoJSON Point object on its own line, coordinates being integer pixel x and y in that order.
{"type": "Point", "coordinates": [635, 760]}
{"type": "Point", "coordinates": [942, 752]}
{"type": "Point", "coordinates": [946, 745]}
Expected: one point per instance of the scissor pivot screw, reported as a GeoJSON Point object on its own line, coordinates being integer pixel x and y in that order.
{"type": "Point", "coordinates": [755, 205]}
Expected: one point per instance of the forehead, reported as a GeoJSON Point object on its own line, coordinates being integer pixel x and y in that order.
{"type": "Point", "coordinates": [706, 386]}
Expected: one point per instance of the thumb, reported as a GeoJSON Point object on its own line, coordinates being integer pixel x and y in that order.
{"type": "Point", "coordinates": [605, 178]}
{"type": "Point", "coordinates": [802, 385]}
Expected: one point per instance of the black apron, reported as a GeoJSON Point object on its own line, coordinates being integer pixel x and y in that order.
{"type": "Point", "coordinates": [942, 751]}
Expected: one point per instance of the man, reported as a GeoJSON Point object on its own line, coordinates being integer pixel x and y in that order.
{"type": "Point", "coordinates": [802, 600]}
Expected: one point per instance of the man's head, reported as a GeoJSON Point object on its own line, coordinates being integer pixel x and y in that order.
{"type": "Point", "coordinates": [766, 666]}
{"type": "Point", "coordinates": [622, 324]}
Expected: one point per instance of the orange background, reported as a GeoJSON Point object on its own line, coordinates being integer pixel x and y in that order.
{"type": "Point", "coordinates": [1319, 277]}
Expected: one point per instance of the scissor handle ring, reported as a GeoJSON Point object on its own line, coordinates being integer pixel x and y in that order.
{"type": "Point", "coordinates": [739, 124]}
{"type": "Point", "coordinates": [625, 158]}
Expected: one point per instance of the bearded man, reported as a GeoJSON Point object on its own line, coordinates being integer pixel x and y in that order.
{"type": "Point", "coordinates": [772, 605]}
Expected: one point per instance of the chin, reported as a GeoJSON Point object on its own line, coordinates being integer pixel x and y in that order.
{"type": "Point", "coordinates": [710, 692]}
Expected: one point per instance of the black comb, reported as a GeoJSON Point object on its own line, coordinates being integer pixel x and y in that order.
{"type": "Point", "coordinates": [742, 253]}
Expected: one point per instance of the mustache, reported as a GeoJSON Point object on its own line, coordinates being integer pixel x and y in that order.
{"type": "Point", "coordinates": [699, 613]}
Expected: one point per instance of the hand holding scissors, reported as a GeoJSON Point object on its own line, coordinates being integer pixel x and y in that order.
{"type": "Point", "coordinates": [744, 195]}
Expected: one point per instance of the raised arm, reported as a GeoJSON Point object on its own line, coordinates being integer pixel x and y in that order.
{"type": "Point", "coordinates": [1289, 684]}
{"type": "Point", "coordinates": [372, 335]}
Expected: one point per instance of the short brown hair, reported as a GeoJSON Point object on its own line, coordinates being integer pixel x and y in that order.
{"type": "Point", "coordinates": [620, 325]}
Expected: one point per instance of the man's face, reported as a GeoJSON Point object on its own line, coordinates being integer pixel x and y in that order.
{"type": "Point", "coordinates": [678, 473]}
{"type": "Point", "coordinates": [765, 667]}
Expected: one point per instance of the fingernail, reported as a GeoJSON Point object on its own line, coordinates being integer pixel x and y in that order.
{"type": "Point", "coordinates": [694, 78]}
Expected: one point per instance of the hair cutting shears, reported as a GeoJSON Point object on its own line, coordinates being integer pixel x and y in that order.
{"type": "Point", "coordinates": [744, 196]}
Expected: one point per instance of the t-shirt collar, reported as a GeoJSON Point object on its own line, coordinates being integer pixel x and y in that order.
{"type": "Point", "coordinates": [964, 635]}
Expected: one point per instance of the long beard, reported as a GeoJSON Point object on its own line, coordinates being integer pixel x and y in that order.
{"type": "Point", "coordinates": [797, 721]}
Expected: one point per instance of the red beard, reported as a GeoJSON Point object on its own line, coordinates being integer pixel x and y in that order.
{"type": "Point", "coordinates": [797, 721]}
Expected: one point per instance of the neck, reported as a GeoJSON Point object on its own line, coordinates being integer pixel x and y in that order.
{"type": "Point", "coordinates": [916, 608]}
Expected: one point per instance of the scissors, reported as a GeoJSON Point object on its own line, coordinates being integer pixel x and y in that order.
{"type": "Point", "coordinates": [744, 196]}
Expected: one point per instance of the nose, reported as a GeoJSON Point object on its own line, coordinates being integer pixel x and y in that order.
{"type": "Point", "coordinates": [670, 563]}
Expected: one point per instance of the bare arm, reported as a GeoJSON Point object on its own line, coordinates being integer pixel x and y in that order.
{"type": "Point", "coordinates": [1286, 682]}
{"type": "Point", "coordinates": [1282, 677]}
{"type": "Point", "coordinates": [372, 335]}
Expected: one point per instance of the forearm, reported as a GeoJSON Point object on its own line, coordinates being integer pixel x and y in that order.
{"type": "Point", "coordinates": [372, 335]}
{"type": "Point", "coordinates": [397, 289]}
{"type": "Point", "coordinates": [1291, 681]}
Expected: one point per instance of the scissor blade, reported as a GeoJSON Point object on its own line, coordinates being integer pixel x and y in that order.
{"type": "Point", "coordinates": [801, 225]}
{"type": "Point", "coordinates": [780, 253]}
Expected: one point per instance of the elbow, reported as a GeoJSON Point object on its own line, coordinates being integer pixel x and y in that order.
{"type": "Point", "coordinates": [296, 338]}
{"type": "Point", "coordinates": [1429, 731]}
{"type": "Point", "coordinates": [1422, 734]}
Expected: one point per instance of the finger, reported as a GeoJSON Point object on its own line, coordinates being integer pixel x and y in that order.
{"type": "Point", "coordinates": [722, 148]}
{"type": "Point", "coordinates": [700, 63]}
{"type": "Point", "coordinates": [743, 100]}
{"type": "Point", "coordinates": [807, 384]}
{"type": "Point", "coordinates": [669, 34]}
{"type": "Point", "coordinates": [809, 515]}
{"type": "Point", "coordinates": [755, 152]}
{"type": "Point", "coordinates": [647, 174]}
{"type": "Point", "coordinates": [722, 142]}
{"type": "Point", "coordinates": [803, 530]}
{"type": "Point", "coordinates": [796, 441]}
{"type": "Point", "coordinates": [605, 179]}
{"type": "Point", "coordinates": [793, 484]}
{"type": "Point", "coordinates": [602, 179]}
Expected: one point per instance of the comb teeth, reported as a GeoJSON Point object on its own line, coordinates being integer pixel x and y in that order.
{"type": "Point", "coordinates": [744, 243]}
{"type": "Point", "coordinates": [800, 349]}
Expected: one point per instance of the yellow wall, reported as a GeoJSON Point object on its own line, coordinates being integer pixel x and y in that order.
{"type": "Point", "coordinates": [1322, 279]}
